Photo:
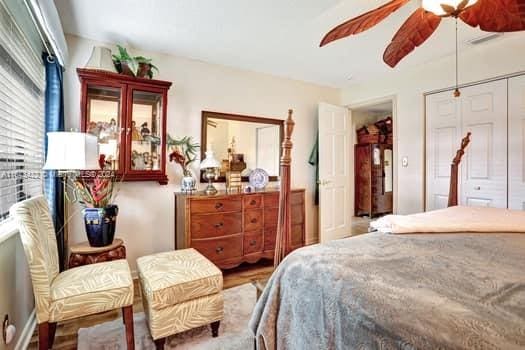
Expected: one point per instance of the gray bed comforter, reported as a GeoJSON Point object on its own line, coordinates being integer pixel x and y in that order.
{"type": "Point", "coordinates": [383, 291]}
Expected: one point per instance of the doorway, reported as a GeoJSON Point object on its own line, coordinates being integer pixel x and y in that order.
{"type": "Point", "coordinates": [373, 128]}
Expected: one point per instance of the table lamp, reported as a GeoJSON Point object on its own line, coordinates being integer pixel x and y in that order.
{"type": "Point", "coordinates": [210, 166]}
{"type": "Point", "coordinates": [70, 152]}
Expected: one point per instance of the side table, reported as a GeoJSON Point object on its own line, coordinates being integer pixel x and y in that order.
{"type": "Point", "coordinates": [83, 254]}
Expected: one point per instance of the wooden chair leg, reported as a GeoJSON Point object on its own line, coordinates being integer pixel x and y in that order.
{"type": "Point", "coordinates": [159, 343]}
{"type": "Point", "coordinates": [43, 336]}
{"type": "Point", "coordinates": [52, 331]}
{"type": "Point", "coordinates": [215, 329]}
{"type": "Point", "coordinates": [127, 314]}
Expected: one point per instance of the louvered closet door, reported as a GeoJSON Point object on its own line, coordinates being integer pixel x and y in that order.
{"type": "Point", "coordinates": [443, 135]}
{"type": "Point", "coordinates": [517, 143]}
{"type": "Point", "coordinates": [484, 168]}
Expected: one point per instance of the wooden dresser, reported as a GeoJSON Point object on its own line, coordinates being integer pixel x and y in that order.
{"type": "Point", "coordinates": [233, 228]}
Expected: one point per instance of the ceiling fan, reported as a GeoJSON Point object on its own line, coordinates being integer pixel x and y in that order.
{"type": "Point", "coordinates": [489, 15]}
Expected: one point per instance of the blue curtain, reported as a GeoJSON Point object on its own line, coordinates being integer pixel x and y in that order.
{"type": "Point", "coordinates": [54, 115]}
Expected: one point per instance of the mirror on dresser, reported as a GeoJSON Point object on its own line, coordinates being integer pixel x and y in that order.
{"type": "Point", "coordinates": [242, 143]}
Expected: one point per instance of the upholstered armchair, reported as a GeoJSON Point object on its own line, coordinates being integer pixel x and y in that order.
{"type": "Point", "coordinates": [74, 293]}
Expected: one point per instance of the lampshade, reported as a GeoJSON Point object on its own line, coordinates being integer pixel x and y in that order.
{"type": "Point", "coordinates": [101, 59]}
{"type": "Point", "coordinates": [210, 161]}
{"type": "Point", "coordinates": [71, 151]}
{"type": "Point", "coordinates": [434, 6]}
{"type": "Point", "coordinates": [109, 149]}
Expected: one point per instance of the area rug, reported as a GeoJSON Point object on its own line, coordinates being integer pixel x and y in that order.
{"type": "Point", "coordinates": [233, 333]}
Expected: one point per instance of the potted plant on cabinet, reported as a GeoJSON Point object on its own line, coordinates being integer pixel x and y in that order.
{"type": "Point", "coordinates": [184, 152]}
{"type": "Point", "coordinates": [138, 66]}
{"type": "Point", "coordinates": [145, 67]}
{"type": "Point", "coordinates": [124, 63]}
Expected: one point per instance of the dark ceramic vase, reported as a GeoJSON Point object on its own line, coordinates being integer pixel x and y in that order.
{"type": "Point", "coordinates": [100, 225]}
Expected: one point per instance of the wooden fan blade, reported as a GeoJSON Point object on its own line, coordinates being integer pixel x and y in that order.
{"type": "Point", "coordinates": [414, 32]}
{"type": "Point", "coordinates": [496, 15]}
{"type": "Point", "coordinates": [363, 22]}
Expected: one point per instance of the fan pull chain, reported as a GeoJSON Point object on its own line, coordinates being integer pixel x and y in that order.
{"type": "Point", "coordinates": [456, 91]}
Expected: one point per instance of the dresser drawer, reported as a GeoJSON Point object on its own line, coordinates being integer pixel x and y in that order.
{"type": "Point", "coordinates": [253, 242]}
{"type": "Point", "coordinates": [215, 205]}
{"type": "Point", "coordinates": [269, 237]}
{"type": "Point", "coordinates": [252, 201]}
{"type": "Point", "coordinates": [271, 215]}
{"type": "Point", "coordinates": [253, 219]}
{"type": "Point", "coordinates": [214, 225]}
{"type": "Point", "coordinates": [271, 200]}
{"type": "Point", "coordinates": [218, 249]}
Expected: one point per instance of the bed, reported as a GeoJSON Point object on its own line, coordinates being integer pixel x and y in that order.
{"type": "Point", "coordinates": [400, 289]}
{"type": "Point", "coordinates": [393, 291]}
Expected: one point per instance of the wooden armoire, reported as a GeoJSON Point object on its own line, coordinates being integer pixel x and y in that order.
{"type": "Point", "coordinates": [373, 179]}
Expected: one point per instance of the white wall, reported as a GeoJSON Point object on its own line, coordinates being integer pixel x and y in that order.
{"type": "Point", "coordinates": [500, 57]}
{"type": "Point", "coordinates": [16, 293]}
{"type": "Point", "coordinates": [146, 217]}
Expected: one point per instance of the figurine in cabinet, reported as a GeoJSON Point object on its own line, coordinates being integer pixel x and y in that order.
{"type": "Point", "coordinates": [144, 131]}
{"type": "Point", "coordinates": [135, 134]}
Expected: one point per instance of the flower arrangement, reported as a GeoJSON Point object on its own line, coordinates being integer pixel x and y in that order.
{"type": "Point", "coordinates": [184, 152]}
{"type": "Point", "coordinates": [96, 193]}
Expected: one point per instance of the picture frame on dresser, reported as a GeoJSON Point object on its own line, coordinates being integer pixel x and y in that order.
{"type": "Point", "coordinates": [230, 229]}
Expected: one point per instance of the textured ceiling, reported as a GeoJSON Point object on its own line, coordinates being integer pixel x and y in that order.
{"type": "Point", "coordinates": [278, 37]}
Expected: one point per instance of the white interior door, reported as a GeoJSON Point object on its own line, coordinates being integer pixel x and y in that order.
{"type": "Point", "coordinates": [335, 146]}
{"type": "Point", "coordinates": [517, 143]}
{"type": "Point", "coordinates": [443, 139]}
{"type": "Point", "coordinates": [484, 169]}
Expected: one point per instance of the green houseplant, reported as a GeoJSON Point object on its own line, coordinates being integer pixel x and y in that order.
{"type": "Point", "coordinates": [145, 67]}
{"type": "Point", "coordinates": [138, 66]}
{"type": "Point", "coordinates": [124, 63]}
{"type": "Point", "coordinates": [184, 152]}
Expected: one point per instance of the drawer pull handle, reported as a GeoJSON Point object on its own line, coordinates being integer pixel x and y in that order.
{"type": "Point", "coordinates": [253, 202]}
{"type": "Point", "coordinates": [253, 242]}
{"type": "Point", "coordinates": [218, 205]}
{"type": "Point", "coordinates": [253, 221]}
{"type": "Point", "coordinates": [219, 250]}
{"type": "Point", "coordinates": [220, 224]}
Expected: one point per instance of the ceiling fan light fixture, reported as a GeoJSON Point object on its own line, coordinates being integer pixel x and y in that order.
{"type": "Point", "coordinates": [435, 7]}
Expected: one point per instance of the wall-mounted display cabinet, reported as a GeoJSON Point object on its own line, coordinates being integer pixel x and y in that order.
{"type": "Point", "coordinates": [128, 115]}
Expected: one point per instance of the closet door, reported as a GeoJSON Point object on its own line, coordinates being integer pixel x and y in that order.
{"type": "Point", "coordinates": [443, 135]}
{"type": "Point", "coordinates": [484, 168]}
{"type": "Point", "coordinates": [517, 143]}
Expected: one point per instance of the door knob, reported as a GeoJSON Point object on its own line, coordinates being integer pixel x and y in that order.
{"type": "Point", "coordinates": [477, 188]}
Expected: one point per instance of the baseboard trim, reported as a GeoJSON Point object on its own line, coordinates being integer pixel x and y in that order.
{"type": "Point", "coordinates": [312, 241]}
{"type": "Point", "coordinates": [27, 332]}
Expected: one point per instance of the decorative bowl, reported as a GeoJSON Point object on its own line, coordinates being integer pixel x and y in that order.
{"type": "Point", "coordinates": [258, 178]}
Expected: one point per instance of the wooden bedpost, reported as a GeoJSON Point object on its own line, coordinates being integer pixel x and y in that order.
{"type": "Point", "coordinates": [453, 190]}
{"type": "Point", "coordinates": [284, 221]}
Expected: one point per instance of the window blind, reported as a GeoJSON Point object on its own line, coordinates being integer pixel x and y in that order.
{"type": "Point", "coordinates": [21, 115]}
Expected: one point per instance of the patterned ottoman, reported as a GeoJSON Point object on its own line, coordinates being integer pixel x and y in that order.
{"type": "Point", "coordinates": [180, 290]}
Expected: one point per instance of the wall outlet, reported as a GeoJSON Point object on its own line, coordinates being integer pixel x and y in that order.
{"type": "Point", "coordinates": [404, 162]}
{"type": "Point", "coordinates": [8, 331]}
